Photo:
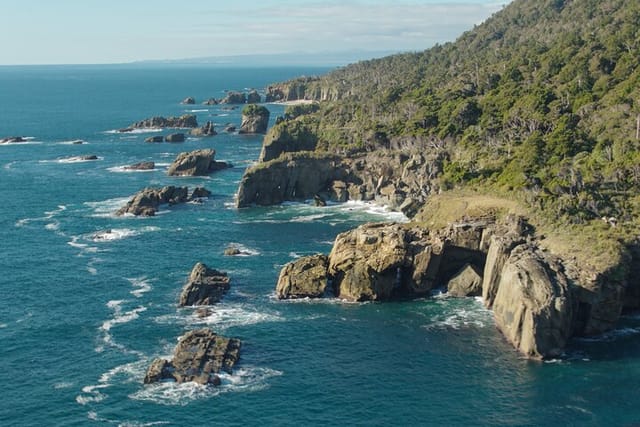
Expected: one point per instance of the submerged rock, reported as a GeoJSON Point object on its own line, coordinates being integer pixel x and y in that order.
{"type": "Point", "coordinates": [210, 101]}
{"type": "Point", "coordinates": [199, 356]}
{"type": "Point", "coordinates": [141, 166]}
{"type": "Point", "coordinates": [12, 139]}
{"type": "Point", "coordinates": [196, 163]}
{"type": "Point", "coordinates": [205, 286]}
{"type": "Point", "coordinates": [157, 138]}
{"type": "Point", "coordinates": [255, 119]}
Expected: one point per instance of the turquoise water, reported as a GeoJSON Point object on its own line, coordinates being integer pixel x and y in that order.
{"type": "Point", "coordinates": [81, 319]}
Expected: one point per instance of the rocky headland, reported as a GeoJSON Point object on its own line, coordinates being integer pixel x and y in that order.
{"type": "Point", "coordinates": [255, 119]}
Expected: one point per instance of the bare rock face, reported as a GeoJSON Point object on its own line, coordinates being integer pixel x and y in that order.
{"type": "Point", "coordinates": [205, 286]}
{"type": "Point", "coordinates": [199, 356]}
{"type": "Point", "coordinates": [207, 130]}
{"type": "Point", "coordinates": [303, 278]}
{"type": "Point", "coordinates": [195, 163]}
{"type": "Point", "coordinates": [533, 305]}
{"type": "Point", "coordinates": [466, 283]}
{"type": "Point", "coordinates": [234, 98]}
{"type": "Point", "coordinates": [147, 202]}
{"type": "Point", "coordinates": [255, 119]}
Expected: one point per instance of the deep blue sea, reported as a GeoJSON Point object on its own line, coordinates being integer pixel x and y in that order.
{"type": "Point", "coordinates": [81, 318]}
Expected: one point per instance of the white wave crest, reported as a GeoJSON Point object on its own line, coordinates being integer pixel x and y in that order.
{"type": "Point", "coordinates": [459, 313]}
{"type": "Point", "coordinates": [127, 169]}
{"type": "Point", "coordinates": [245, 251]}
{"type": "Point", "coordinates": [244, 379]}
{"type": "Point", "coordinates": [133, 131]}
{"type": "Point", "coordinates": [106, 208]}
{"type": "Point", "coordinates": [142, 285]}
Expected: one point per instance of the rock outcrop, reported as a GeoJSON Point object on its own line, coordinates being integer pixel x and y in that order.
{"type": "Point", "coordinates": [304, 278]}
{"type": "Point", "coordinates": [141, 166]}
{"type": "Point", "coordinates": [234, 98]}
{"type": "Point", "coordinates": [205, 286]}
{"type": "Point", "coordinates": [210, 101]}
{"type": "Point", "coordinates": [159, 122]}
{"type": "Point", "coordinates": [207, 129]}
{"type": "Point", "coordinates": [156, 138]}
{"type": "Point", "coordinates": [196, 163]}
{"type": "Point", "coordinates": [253, 97]}
{"type": "Point", "coordinates": [147, 202]}
{"type": "Point", "coordinates": [466, 283]}
{"type": "Point", "coordinates": [255, 119]}
{"type": "Point", "coordinates": [199, 356]}
{"type": "Point", "coordinates": [175, 137]}
{"type": "Point", "coordinates": [189, 100]}
{"type": "Point", "coordinates": [287, 137]}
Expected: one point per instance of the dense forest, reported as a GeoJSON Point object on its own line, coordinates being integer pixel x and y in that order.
{"type": "Point", "coordinates": [541, 102]}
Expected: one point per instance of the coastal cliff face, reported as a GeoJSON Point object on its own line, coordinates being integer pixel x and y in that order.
{"type": "Point", "coordinates": [537, 306]}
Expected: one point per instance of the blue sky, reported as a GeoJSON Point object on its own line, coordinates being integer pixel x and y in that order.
{"type": "Point", "coordinates": [114, 31]}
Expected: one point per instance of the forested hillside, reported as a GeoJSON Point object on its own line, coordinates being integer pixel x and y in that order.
{"type": "Point", "coordinates": [541, 102]}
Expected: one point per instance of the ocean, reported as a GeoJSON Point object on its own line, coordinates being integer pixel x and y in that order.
{"type": "Point", "coordinates": [82, 317]}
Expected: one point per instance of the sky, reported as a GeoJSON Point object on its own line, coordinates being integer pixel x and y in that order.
{"type": "Point", "coordinates": [117, 31]}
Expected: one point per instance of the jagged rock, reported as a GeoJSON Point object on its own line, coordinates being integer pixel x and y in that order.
{"type": "Point", "coordinates": [189, 100]}
{"type": "Point", "coordinates": [12, 139]}
{"type": "Point", "coordinates": [466, 283]}
{"type": "Point", "coordinates": [185, 121]}
{"type": "Point", "coordinates": [230, 129]}
{"type": "Point", "coordinates": [205, 286]}
{"type": "Point", "coordinates": [200, 192]}
{"type": "Point", "coordinates": [255, 119]}
{"type": "Point", "coordinates": [234, 98]}
{"type": "Point", "coordinates": [207, 130]}
{"type": "Point", "coordinates": [303, 278]}
{"type": "Point", "coordinates": [533, 306]}
{"type": "Point", "coordinates": [196, 163]}
{"type": "Point", "coordinates": [141, 166]}
{"type": "Point", "coordinates": [253, 97]}
{"type": "Point", "coordinates": [319, 201]}
{"type": "Point", "coordinates": [210, 101]}
{"type": "Point", "coordinates": [175, 137]}
{"type": "Point", "coordinates": [147, 201]}
{"type": "Point", "coordinates": [198, 357]}
{"type": "Point", "coordinates": [156, 138]}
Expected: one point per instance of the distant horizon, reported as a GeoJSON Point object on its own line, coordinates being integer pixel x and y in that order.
{"type": "Point", "coordinates": [121, 32]}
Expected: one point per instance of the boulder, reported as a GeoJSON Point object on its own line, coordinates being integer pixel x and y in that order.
{"type": "Point", "coordinates": [196, 163]}
{"type": "Point", "coordinates": [303, 278]}
{"type": "Point", "coordinates": [159, 122]}
{"type": "Point", "coordinates": [210, 101]}
{"type": "Point", "coordinates": [253, 97]}
{"type": "Point", "coordinates": [232, 251]}
{"type": "Point", "coordinates": [207, 130]}
{"type": "Point", "coordinates": [466, 283]}
{"type": "Point", "coordinates": [175, 137]}
{"type": "Point", "coordinates": [156, 138]}
{"type": "Point", "coordinates": [205, 286]}
{"type": "Point", "coordinates": [141, 166]}
{"type": "Point", "coordinates": [234, 98]}
{"type": "Point", "coordinates": [255, 119]}
{"type": "Point", "coordinates": [199, 356]}
{"type": "Point", "coordinates": [199, 193]}
{"type": "Point", "coordinates": [319, 201]}
{"type": "Point", "coordinates": [533, 305]}
{"type": "Point", "coordinates": [189, 100]}
{"type": "Point", "coordinates": [147, 201]}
